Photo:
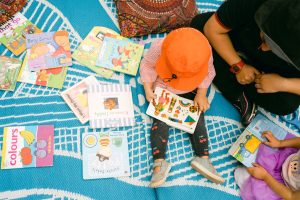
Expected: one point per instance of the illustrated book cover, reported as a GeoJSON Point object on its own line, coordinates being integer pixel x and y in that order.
{"type": "Point", "coordinates": [54, 77]}
{"type": "Point", "coordinates": [13, 33]}
{"type": "Point", "coordinates": [110, 105]}
{"type": "Point", "coordinates": [27, 146]}
{"type": "Point", "coordinates": [77, 98]}
{"type": "Point", "coordinates": [48, 50]}
{"type": "Point", "coordinates": [105, 155]}
{"type": "Point", "coordinates": [88, 50]}
{"type": "Point", "coordinates": [9, 71]}
{"type": "Point", "coordinates": [246, 146]}
{"type": "Point", "coordinates": [120, 55]}
{"type": "Point", "coordinates": [174, 110]}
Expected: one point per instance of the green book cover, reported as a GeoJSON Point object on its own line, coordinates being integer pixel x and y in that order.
{"type": "Point", "coordinates": [9, 71]}
{"type": "Point", "coordinates": [53, 77]}
{"type": "Point", "coordinates": [87, 52]}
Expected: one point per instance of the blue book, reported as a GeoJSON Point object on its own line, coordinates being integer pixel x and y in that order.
{"type": "Point", "coordinates": [105, 155]}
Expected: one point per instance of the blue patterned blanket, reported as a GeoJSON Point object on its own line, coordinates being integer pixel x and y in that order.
{"type": "Point", "coordinates": [33, 105]}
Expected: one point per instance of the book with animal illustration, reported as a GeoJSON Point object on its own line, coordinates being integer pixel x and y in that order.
{"type": "Point", "coordinates": [48, 50]}
{"type": "Point", "coordinates": [13, 33]}
{"type": "Point", "coordinates": [27, 146]}
{"type": "Point", "coordinates": [174, 110]}
{"type": "Point", "coordinates": [88, 50]}
{"type": "Point", "coordinates": [120, 55]}
{"type": "Point", "coordinates": [53, 77]}
{"type": "Point", "coordinates": [246, 146]}
{"type": "Point", "coordinates": [110, 105]}
{"type": "Point", "coordinates": [77, 98]}
{"type": "Point", "coordinates": [9, 70]}
{"type": "Point", "coordinates": [105, 155]}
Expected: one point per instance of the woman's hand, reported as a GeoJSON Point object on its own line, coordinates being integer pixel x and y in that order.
{"type": "Point", "coordinates": [269, 83]}
{"type": "Point", "coordinates": [247, 74]}
{"type": "Point", "coordinates": [257, 171]}
{"type": "Point", "coordinates": [272, 141]}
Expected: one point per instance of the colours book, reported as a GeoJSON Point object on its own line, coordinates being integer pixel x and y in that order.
{"type": "Point", "coordinates": [105, 155]}
{"type": "Point", "coordinates": [120, 55]}
{"type": "Point", "coordinates": [110, 105]}
{"type": "Point", "coordinates": [246, 146]}
{"type": "Point", "coordinates": [53, 77]}
{"type": "Point", "coordinates": [77, 98]}
{"type": "Point", "coordinates": [9, 70]}
{"type": "Point", "coordinates": [87, 52]}
{"type": "Point", "coordinates": [48, 50]}
{"type": "Point", "coordinates": [174, 110]}
{"type": "Point", "coordinates": [13, 32]}
{"type": "Point", "coordinates": [27, 146]}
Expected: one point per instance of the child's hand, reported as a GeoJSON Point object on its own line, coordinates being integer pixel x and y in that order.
{"type": "Point", "coordinates": [201, 102]}
{"type": "Point", "coordinates": [272, 141]}
{"type": "Point", "coordinates": [257, 171]}
{"type": "Point", "coordinates": [150, 95]}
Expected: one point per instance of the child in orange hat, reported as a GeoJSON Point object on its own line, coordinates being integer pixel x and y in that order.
{"type": "Point", "coordinates": [181, 63]}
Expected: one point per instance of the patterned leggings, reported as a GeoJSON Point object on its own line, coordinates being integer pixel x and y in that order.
{"type": "Point", "coordinates": [160, 134]}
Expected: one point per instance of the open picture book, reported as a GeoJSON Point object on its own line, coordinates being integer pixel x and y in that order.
{"type": "Point", "coordinates": [246, 146]}
{"type": "Point", "coordinates": [174, 110]}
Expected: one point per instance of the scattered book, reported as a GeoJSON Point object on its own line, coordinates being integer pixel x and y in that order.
{"type": "Point", "coordinates": [120, 55]}
{"type": "Point", "coordinates": [105, 155]}
{"type": "Point", "coordinates": [13, 33]}
{"type": "Point", "coordinates": [27, 146]}
{"type": "Point", "coordinates": [8, 8]}
{"type": "Point", "coordinates": [48, 50]}
{"type": "Point", "coordinates": [174, 110]}
{"type": "Point", "coordinates": [110, 105]}
{"type": "Point", "coordinates": [87, 52]}
{"type": "Point", "coordinates": [53, 77]}
{"type": "Point", "coordinates": [77, 98]}
{"type": "Point", "coordinates": [246, 146]}
{"type": "Point", "coordinates": [9, 70]}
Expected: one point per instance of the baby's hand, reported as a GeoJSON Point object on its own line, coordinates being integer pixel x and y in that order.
{"type": "Point", "coordinates": [272, 141]}
{"type": "Point", "coordinates": [150, 95]}
{"type": "Point", "coordinates": [257, 171]}
{"type": "Point", "coordinates": [201, 102]}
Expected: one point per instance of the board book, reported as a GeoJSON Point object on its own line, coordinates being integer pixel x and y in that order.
{"type": "Point", "coordinates": [77, 98]}
{"type": "Point", "coordinates": [54, 77]}
{"type": "Point", "coordinates": [246, 146]}
{"type": "Point", "coordinates": [120, 55]}
{"type": "Point", "coordinates": [48, 50]}
{"type": "Point", "coordinates": [9, 70]}
{"type": "Point", "coordinates": [174, 110]}
{"type": "Point", "coordinates": [87, 52]}
{"type": "Point", "coordinates": [27, 146]}
{"type": "Point", "coordinates": [13, 33]}
{"type": "Point", "coordinates": [105, 155]}
{"type": "Point", "coordinates": [110, 105]}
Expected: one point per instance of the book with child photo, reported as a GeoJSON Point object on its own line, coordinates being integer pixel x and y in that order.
{"type": "Point", "coordinates": [246, 146]}
{"type": "Point", "coordinates": [174, 110]}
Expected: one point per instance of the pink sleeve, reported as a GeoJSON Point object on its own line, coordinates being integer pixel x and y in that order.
{"type": "Point", "coordinates": [147, 68]}
{"type": "Point", "coordinates": [210, 75]}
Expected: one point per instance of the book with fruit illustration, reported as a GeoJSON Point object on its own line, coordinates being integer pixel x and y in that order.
{"type": "Point", "coordinates": [27, 146]}
{"type": "Point", "coordinates": [105, 155]}
{"type": "Point", "coordinates": [246, 146]}
{"type": "Point", "coordinates": [174, 110]}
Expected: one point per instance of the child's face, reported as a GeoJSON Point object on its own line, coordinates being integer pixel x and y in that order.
{"type": "Point", "coordinates": [109, 104]}
{"type": "Point", "coordinates": [61, 40]}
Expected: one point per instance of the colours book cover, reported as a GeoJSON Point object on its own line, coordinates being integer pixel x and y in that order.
{"type": "Point", "coordinates": [105, 155]}
{"type": "Point", "coordinates": [13, 33]}
{"type": "Point", "coordinates": [48, 50]}
{"type": "Point", "coordinates": [246, 146]}
{"type": "Point", "coordinates": [174, 110]}
{"type": "Point", "coordinates": [9, 70]}
{"type": "Point", "coordinates": [120, 55]}
{"type": "Point", "coordinates": [110, 105]}
{"type": "Point", "coordinates": [77, 98]}
{"type": "Point", "coordinates": [54, 77]}
{"type": "Point", "coordinates": [87, 52]}
{"type": "Point", "coordinates": [27, 146]}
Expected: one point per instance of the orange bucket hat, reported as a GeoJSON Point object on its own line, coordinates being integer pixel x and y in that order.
{"type": "Point", "coordinates": [183, 63]}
